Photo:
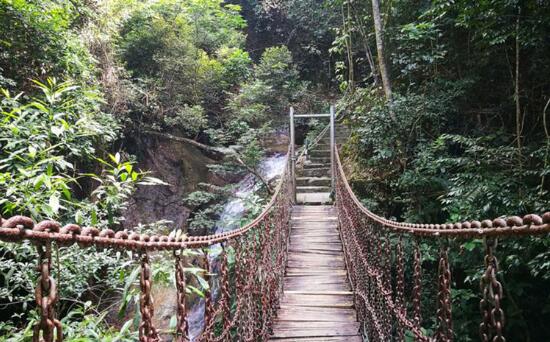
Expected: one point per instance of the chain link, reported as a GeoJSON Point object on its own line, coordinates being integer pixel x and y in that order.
{"type": "Point", "coordinates": [491, 311]}
{"type": "Point", "coordinates": [46, 298]}
{"type": "Point", "coordinates": [147, 332]}
{"type": "Point", "coordinates": [445, 329]}
{"type": "Point", "coordinates": [181, 308]}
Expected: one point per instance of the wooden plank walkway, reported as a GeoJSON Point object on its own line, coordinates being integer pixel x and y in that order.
{"type": "Point", "coordinates": [317, 304]}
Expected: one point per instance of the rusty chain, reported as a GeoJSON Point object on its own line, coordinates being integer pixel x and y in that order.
{"type": "Point", "coordinates": [181, 307]}
{"type": "Point", "coordinates": [445, 329]}
{"type": "Point", "coordinates": [492, 313]}
{"type": "Point", "coordinates": [147, 332]}
{"type": "Point", "coordinates": [46, 297]}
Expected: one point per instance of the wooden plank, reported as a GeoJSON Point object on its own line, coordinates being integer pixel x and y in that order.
{"type": "Point", "coordinates": [317, 251]}
{"type": "Point", "coordinates": [291, 272]}
{"type": "Point", "coordinates": [305, 263]}
{"type": "Point", "coordinates": [332, 293]}
{"type": "Point", "coordinates": [355, 338]}
{"type": "Point", "coordinates": [314, 225]}
{"type": "Point", "coordinates": [307, 280]}
{"type": "Point", "coordinates": [310, 207]}
{"type": "Point", "coordinates": [332, 329]}
{"type": "Point", "coordinates": [316, 257]}
{"type": "Point", "coordinates": [309, 270]}
{"type": "Point", "coordinates": [322, 239]}
{"type": "Point", "coordinates": [316, 283]}
{"type": "Point", "coordinates": [317, 304]}
{"type": "Point", "coordinates": [313, 217]}
{"type": "Point", "coordinates": [291, 325]}
{"type": "Point", "coordinates": [315, 228]}
{"type": "Point", "coordinates": [315, 314]}
{"type": "Point", "coordinates": [313, 233]}
{"type": "Point", "coordinates": [319, 300]}
{"type": "Point", "coordinates": [330, 246]}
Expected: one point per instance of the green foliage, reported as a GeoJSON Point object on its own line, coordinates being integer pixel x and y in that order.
{"type": "Point", "coordinates": [236, 63]}
{"type": "Point", "coordinates": [198, 198]}
{"type": "Point", "coordinates": [184, 55]}
{"type": "Point", "coordinates": [48, 144]}
{"type": "Point", "coordinates": [267, 96]}
{"type": "Point", "coordinates": [206, 206]}
{"type": "Point", "coordinates": [250, 104]}
{"type": "Point", "coordinates": [42, 40]}
{"type": "Point", "coordinates": [79, 325]}
{"type": "Point", "coordinates": [42, 141]}
{"type": "Point", "coordinates": [190, 120]}
{"type": "Point", "coordinates": [276, 68]}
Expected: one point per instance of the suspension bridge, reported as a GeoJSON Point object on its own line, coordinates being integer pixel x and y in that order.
{"type": "Point", "coordinates": [315, 265]}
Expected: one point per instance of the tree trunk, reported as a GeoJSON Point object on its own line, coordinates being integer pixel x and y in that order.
{"type": "Point", "coordinates": [349, 51]}
{"type": "Point", "coordinates": [519, 121]}
{"type": "Point", "coordinates": [379, 33]}
{"type": "Point", "coordinates": [368, 54]}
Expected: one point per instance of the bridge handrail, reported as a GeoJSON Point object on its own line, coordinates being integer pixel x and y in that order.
{"type": "Point", "coordinates": [386, 268]}
{"type": "Point", "coordinates": [530, 224]}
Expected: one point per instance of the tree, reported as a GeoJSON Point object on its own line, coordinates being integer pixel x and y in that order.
{"type": "Point", "coordinates": [379, 32]}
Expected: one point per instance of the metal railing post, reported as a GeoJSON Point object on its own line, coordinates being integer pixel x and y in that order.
{"type": "Point", "coordinates": [292, 156]}
{"type": "Point", "coordinates": [332, 143]}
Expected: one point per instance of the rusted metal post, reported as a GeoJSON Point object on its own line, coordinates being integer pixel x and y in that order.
{"type": "Point", "coordinates": [292, 157]}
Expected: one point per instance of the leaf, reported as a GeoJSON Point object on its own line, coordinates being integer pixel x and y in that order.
{"type": "Point", "coordinates": [94, 217]}
{"type": "Point", "coordinates": [32, 151]}
{"type": "Point", "coordinates": [125, 327]}
{"type": "Point", "coordinates": [78, 217]}
{"type": "Point", "coordinates": [173, 322]}
{"type": "Point", "coordinates": [192, 289]}
{"type": "Point", "coordinates": [152, 181]}
{"type": "Point", "coordinates": [54, 203]}
{"type": "Point", "coordinates": [115, 158]}
{"type": "Point", "coordinates": [57, 130]}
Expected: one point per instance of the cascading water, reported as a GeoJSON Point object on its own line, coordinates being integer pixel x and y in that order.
{"type": "Point", "coordinates": [230, 218]}
{"type": "Point", "coordinates": [234, 209]}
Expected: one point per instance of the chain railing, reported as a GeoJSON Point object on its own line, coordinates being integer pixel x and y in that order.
{"type": "Point", "coordinates": [389, 275]}
{"type": "Point", "coordinates": [248, 294]}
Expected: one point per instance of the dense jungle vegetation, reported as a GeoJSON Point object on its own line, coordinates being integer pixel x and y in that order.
{"type": "Point", "coordinates": [447, 101]}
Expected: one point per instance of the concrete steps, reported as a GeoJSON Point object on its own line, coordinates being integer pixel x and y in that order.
{"type": "Point", "coordinates": [320, 160]}
{"type": "Point", "coordinates": [319, 153]}
{"type": "Point", "coordinates": [313, 181]}
{"type": "Point", "coordinates": [316, 198]}
{"type": "Point", "coordinates": [315, 172]}
{"type": "Point", "coordinates": [310, 189]}
{"type": "Point", "coordinates": [310, 165]}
